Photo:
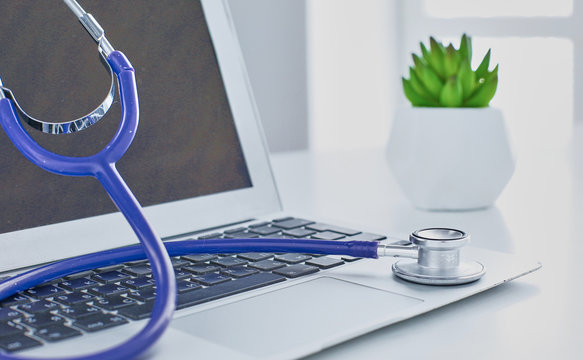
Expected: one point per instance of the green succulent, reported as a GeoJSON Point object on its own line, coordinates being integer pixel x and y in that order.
{"type": "Point", "coordinates": [443, 77]}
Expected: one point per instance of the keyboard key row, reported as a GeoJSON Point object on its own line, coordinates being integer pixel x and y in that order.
{"type": "Point", "coordinates": [84, 301]}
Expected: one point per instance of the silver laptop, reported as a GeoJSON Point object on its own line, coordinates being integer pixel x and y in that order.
{"type": "Point", "coordinates": [200, 166]}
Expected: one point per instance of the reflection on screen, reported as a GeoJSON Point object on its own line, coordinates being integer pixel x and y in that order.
{"type": "Point", "coordinates": [186, 145]}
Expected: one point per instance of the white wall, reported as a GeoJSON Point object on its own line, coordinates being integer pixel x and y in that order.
{"type": "Point", "coordinates": [273, 39]}
{"type": "Point", "coordinates": [352, 72]}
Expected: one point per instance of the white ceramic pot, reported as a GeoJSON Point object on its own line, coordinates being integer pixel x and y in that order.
{"type": "Point", "coordinates": [450, 158]}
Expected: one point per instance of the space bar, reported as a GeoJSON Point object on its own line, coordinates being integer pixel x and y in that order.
{"type": "Point", "coordinates": [226, 289]}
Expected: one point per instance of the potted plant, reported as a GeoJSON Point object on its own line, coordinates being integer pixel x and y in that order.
{"type": "Point", "coordinates": [450, 150]}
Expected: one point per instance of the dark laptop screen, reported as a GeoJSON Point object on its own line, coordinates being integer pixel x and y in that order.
{"type": "Point", "coordinates": [186, 145]}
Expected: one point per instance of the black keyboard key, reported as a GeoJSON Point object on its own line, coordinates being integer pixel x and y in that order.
{"type": "Point", "coordinates": [226, 289]}
{"type": "Point", "coordinates": [282, 219]}
{"type": "Point", "coordinates": [113, 302]}
{"type": "Point", "coordinates": [234, 230]}
{"type": "Point", "coordinates": [78, 311]}
{"type": "Point", "coordinates": [325, 227]}
{"type": "Point", "coordinates": [299, 232]}
{"type": "Point", "coordinates": [183, 286]}
{"type": "Point", "coordinates": [56, 332]}
{"type": "Point", "coordinates": [180, 274]}
{"type": "Point", "coordinates": [138, 311]}
{"type": "Point", "coordinates": [9, 314]}
{"type": "Point", "coordinates": [215, 235]}
{"type": "Point", "coordinates": [108, 268]}
{"type": "Point", "coordinates": [239, 272]}
{"type": "Point", "coordinates": [38, 307]}
{"type": "Point", "coordinates": [138, 270]}
{"type": "Point", "coordinates": [178, 262]}
{"type": "Point", "coordinates": [267, 265]}
{"type": "Point", "coordinates": [144, 294]}
{"type": "Point", "coordinates": [291, 223]}
{"type": "Point", "coordinates": [137, 262]}
{"type": "Point", "coordinates": [17, 342]}
{"type": "Point", "coordinates": [108, 289]}
{"type": "Point", "coordinates": [200, 257]}
{"type": "Point", "coordinates": [77, 284]}
{"type": "Point", "coordinates": [265, 230]}
{"type": "Point", "coordinates": [109, 277]}
{"type": "Point", "coordinates": [138, 283]}
{"type": "Point", "coordinates": [41, 320]}
{"type": "Point", "coordinates": [368, 237]}
{"type": "Point", "coordinates": [201, 269]}
{"type": "Point", "coordinates": [255, 256]}
{"type": "Point", "coordinates": [242, 235]}
{"type": "Point", "coordinates": [292, 258]}
{"type": "Point", "coordinates": [10, 328]}
{"type": "Point", "coordinates": [297, 270]}
{"type": "Point", "coordinates": [73, 298]}
{"type": "Point", "coordinates": [44, 291]}
{"type": "Point", "coordinates": [210, 279]}
{"type": "Point", "coordinates": [99, 322]}
{"type": "Point", "coordinates": [229, 261]}
{"type": "Point", "coordinates": [350, 258]}
{"type": "Point", "coordinates": [325, 262]}
{"type": "Point", "coordinates": [79, 275]}
{"type": "Point", "coordinates": [259, 224]}
{"type": "Point", "coordinates": [15, 299]}
{"type": "Point", "coordinates": [328, 235]}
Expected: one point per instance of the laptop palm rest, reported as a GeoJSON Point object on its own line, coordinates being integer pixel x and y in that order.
{"type": "Point", "coordinates": [288, 318]}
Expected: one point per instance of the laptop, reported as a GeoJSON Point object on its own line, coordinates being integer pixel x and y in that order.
{"type": "Point", "coordinates": [200, 166]}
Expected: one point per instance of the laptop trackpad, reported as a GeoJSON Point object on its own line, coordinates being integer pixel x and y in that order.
{"type": "Point", "coordinates": [313, 313]}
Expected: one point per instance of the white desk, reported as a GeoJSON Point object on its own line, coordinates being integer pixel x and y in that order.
{"type": "Point", "coordinates": [535, 317]}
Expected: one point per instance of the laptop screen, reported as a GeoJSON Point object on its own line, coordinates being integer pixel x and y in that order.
{"type": "Point", "coordinates": [187, 144]}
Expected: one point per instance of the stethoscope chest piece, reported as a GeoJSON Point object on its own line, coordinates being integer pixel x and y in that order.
{"type": "Point", "coordinates": [439, 259]}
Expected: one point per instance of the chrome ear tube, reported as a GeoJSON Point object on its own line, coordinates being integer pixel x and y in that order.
{"type": "Point", "coordinates": [105, 49]}
{"type": "Point", "coordinates": [437, 254]}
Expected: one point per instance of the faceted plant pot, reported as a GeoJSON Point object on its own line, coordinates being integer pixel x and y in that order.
{"type": "Point", "coordinates": [450, 158]}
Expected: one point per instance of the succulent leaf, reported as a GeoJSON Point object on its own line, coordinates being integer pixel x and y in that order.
{"type": "Point", "coordinates": [418, 62]}
{"type": "Point", "coordinates": [465, 49]}
{"type": "Point", "coordinates": [432, 82]}
{"type": "Point", "coordinates": [493, 72]}
{"type": "Point", "coordinates": [451, 94]}
{"type": "Point", "coordinates": [451, 61]}
{"type": "Point", "coordinates": [418, 85]}
{"type": "Point", "coordinates": [467, 78]}
{"type": "Point", "coordinates": [484, 93]}
{"type": "Point", "coordinates": [443, 76]}
{"type": "Point", "coordinates": [437, 57]}
{"type": "Point", "coordinates": [425, 53]}
{"type": "Point", "coordinates": [482, 69]}
{"type": "Point", "coordinates": [412, 96]}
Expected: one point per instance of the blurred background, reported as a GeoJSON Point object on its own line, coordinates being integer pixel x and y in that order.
{"type": "Point", "coordinates": [326, 73]}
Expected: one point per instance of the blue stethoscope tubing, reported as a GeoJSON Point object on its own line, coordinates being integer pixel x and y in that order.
{"type": "Point", "coordinates": [102, 166]}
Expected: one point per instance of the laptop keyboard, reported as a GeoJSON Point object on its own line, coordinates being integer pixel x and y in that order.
{"type": "Point", "coordinates": [107, 297]}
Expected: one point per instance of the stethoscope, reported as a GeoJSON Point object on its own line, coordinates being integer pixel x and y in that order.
{"type": "Point", "coordinates": [436, 250]}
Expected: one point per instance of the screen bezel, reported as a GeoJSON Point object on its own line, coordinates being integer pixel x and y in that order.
{"type": "Point", "coordinates": [43, 244]}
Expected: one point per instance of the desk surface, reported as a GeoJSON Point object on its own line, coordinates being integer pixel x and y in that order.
{"type": "Point", "coordinates": [537, 316]}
